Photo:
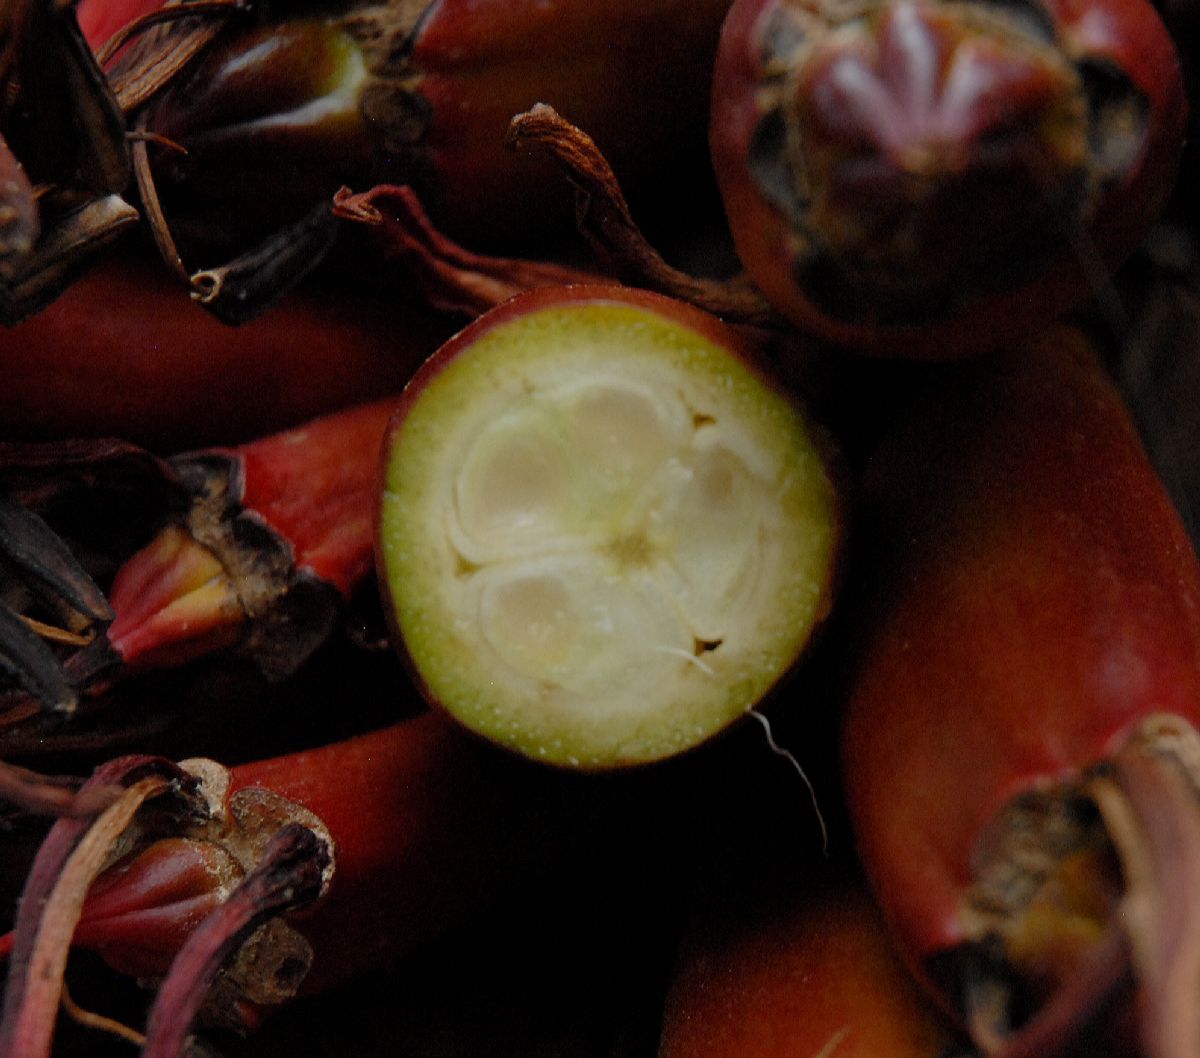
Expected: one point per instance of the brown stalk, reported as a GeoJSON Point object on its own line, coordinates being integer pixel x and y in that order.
{"type": "Point", "coordinates": [451, 278]}
{"type": "Point", "coordinates": [73, 853]}
{"type": "Point", "coordinates": [242, 289]}
{"type": "Point", "coordinates": [155, 217]}
{"type": "Point", "coordinates": [604, 219]}
{"type": "Point", "coordinates": [51, 795]}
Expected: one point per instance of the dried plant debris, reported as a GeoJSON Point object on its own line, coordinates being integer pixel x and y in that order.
{"type": "Point", "coordinates": [41, 576]}
{"type": "Point", "coordinates": [64, 161]}
{"type": "Point", "coordinates": [58, 524]}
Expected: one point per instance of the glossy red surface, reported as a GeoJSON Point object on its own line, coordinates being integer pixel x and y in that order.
{"type": "Point", "coordinates": [124, 353]}
{"type": "Point", "coordinates": [1037, 596]}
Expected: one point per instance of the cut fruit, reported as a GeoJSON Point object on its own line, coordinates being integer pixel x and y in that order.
{"type": "Point", "coordinates": [605, 536]}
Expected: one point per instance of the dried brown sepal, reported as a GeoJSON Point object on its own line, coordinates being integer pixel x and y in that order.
{"type": "Point", "coordinates": [290, 611]}
{"type": "Point", "coordinates": [1151, 805]}
{"type": "Point", "coordinates": [52, 608]}
{"type": "Point", "coordinates": [168, 865]}
{"type": "Point", "coordinates": [451, 278]}
{"type": "Point", "coordinates": [18, 211]}
{"type": "Point", "coordinates": [59, 114]}
{"type": "Point", "coordinates": [52, 795]}
{"type": "Point", "coordinates": [155, 59]}
{"type": "Point", "coordinates": [161, 16]}
{"type": "Point", "coordinates": [43, 573]}
{"type": "Point", "coordinates": [29, 663]}
{"type": "Point", "coordinates": [290, 874]}
{"type": "Point", "coordinates": [69, 239]}
{"type": "Point", "coordinates": [70, 134]}
{"type": "Point", "coordinates": [97, 120]}
{"type": "Point", "coordinates": [1043, 903]}
{"type": "Point", "coordinates": [41, 474]}
{"type": "Point", "coordinates": [1104, 977]}
{"type": "Point", "coordinates": [43, 561]}
{"type": "Point", "coordinates": [33, 1022]}
{"type": "Point", "coordinates": [604, 219]}
{"type": "Point", "coordinates": [73, 853]}
{"type": "Point", "coordinates": [60, 120]}
{"type": "Point", "coordinates": [1088, 876]}
{"type": "Point", "coordinates": [241, 289]}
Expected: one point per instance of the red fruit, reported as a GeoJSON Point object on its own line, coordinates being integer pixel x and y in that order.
{"type": "Point", "coordinates": [415, 816]}
{"type": "Point", "coordinates": [277, 116]}
{"type": "Point", "coordinates": [1019, 748]}
{"type": "Point", "coordinates": [279, 532]}
{"type": "Point", "coordinates": [100, 19]}
{"type": "Point", "coordinates": [798, 973]}
{"type": "Point", "coordinates": [926, 179]}
{"type": "Point", "coordinates": [123, 353]}
{"type": "Point", "coordinates": [604, 535]}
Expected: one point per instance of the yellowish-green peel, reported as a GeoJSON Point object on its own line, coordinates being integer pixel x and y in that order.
{"type": "Point", "coordinates": [605, 537]}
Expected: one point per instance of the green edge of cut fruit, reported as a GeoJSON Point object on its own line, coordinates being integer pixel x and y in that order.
{"type": "Point", "coordinates": [604, 536]}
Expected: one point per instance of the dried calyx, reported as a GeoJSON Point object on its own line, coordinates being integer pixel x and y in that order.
{"type": "Point", "coordinates": [178, 875]}
{"type": "Point", "coordinates": [267, 95]}
{"type": "Point", "coordinates": [218, 579]}
{"type": "Point", "coordinates": [277, 114]}
{"type": "Point", "coordinates": [56, 535]}
{"type": "Point", "coordinates": [923, 152]}
{"type": "Point", "coordinates": [926, 178]}
{"type": "Point", "coordinates": [275, 535]}
{"type": "Point", "coordinates": [64, 163]}
{"type": "Point", "coordinates": [1075, 908]}
{"type": "Point", "coordinates": [46, 598]}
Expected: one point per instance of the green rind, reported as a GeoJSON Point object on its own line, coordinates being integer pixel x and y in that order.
{"type": "Point", "coordinates": [416, 556]}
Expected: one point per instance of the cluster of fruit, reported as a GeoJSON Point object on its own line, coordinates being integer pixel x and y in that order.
{"type": "Point", "coordinates": [784, 408]}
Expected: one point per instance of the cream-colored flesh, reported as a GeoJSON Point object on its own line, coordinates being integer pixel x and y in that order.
{"type": "Point", "coordinates": [605, 539]}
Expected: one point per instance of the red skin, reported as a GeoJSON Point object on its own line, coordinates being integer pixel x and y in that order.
{"type": "Point", "coordinates": [1038, 598]}
{"type": "Point", "coordinates": [812, 973]}
{"type": "Point", "coordinates": [325, 506]}
{"type": "Point", "coordinates": [427, 828]}
{"type": "Point", "coordinates": [1124, 33]}
{"type": "Point", "coordinates": [124, 353]}
{"type": "Point", "coordinates": [100, 19]}
{"type": "Point", "coordinates": [622, 70]}
{"type": "Point", "coordinates": [315, 487]}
